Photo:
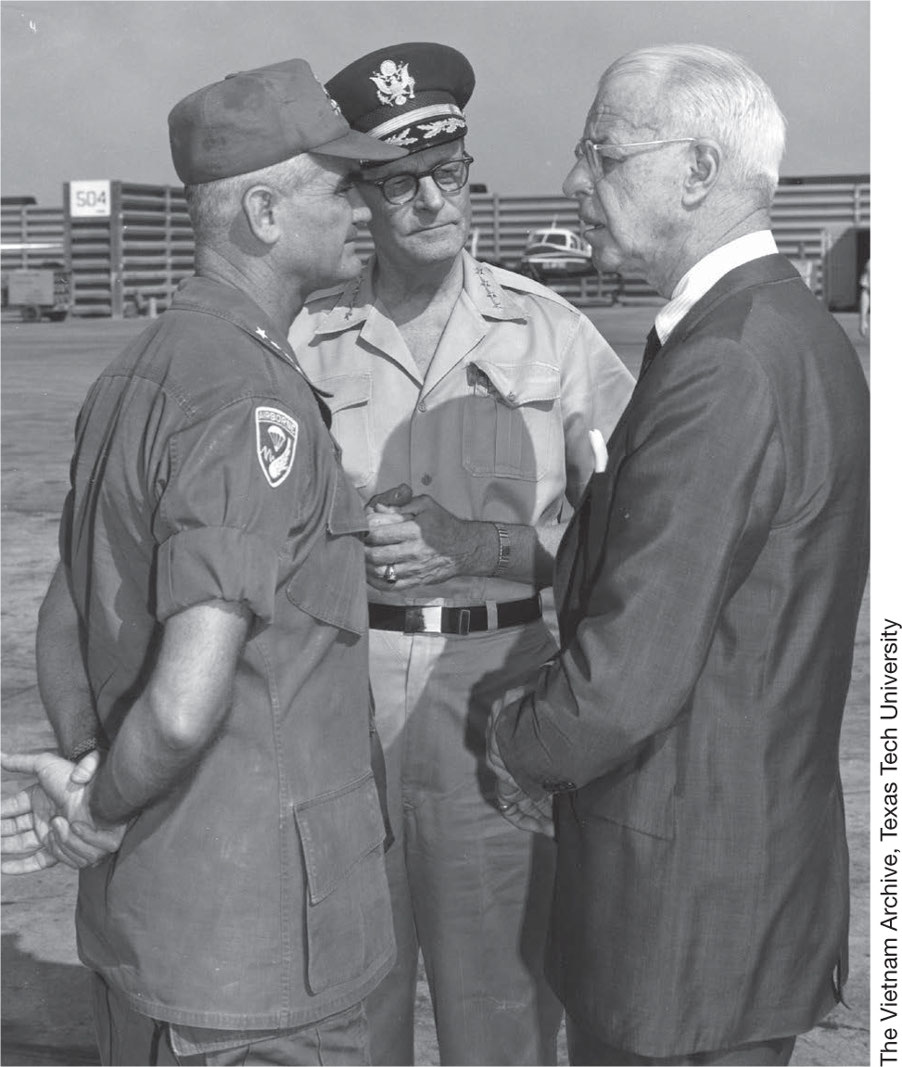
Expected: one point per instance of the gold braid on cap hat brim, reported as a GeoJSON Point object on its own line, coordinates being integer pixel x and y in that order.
{"type": "Point", "coordinates": [417, 115]}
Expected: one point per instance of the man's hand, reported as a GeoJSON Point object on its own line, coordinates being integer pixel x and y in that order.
{"type": "Point", "coordinates": [422, 542]}
{"type": "Point", "coordinates": [50, 821]}
{"type": "Point", "coordinates": [24, 829]}
{"type": "Point", "coordinates": [515, 805]}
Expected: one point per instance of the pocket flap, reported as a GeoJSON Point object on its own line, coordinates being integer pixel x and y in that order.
{"type": "Point", "coordinates": [522, 383]}
{"type": "Point", "coordinates": [330, 584]}
{"type": "Point", "coordinates": [346, 513]}
{"type": "Point", "coordinates": [337, 830]}
{"type": "Point", "coordinates": [346, 390]}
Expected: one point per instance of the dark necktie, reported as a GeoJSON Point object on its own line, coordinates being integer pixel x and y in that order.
{"type": "Point", "coordinates": [652, 348]}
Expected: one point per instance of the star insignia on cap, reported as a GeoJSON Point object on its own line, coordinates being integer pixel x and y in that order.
{"type": "Point", "coordinates": [335, 106]}
{"type": "Point", "coordinates": [332, 103]}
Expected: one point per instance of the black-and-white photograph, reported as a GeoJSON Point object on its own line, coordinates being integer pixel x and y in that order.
{"type": "Point", "coordinates": [440, 617]}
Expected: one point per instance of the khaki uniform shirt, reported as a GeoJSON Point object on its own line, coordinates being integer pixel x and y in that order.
{"type": "Point", "coordinates": [499, 427]}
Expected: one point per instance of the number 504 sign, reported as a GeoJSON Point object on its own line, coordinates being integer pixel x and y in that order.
{"type": "Point", "coordinates": [89, 199]}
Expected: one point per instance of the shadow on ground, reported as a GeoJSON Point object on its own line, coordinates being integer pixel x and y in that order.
{"type": "Point", "coordinates": [46, 1009]}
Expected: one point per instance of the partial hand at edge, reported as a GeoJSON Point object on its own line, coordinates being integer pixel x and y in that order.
{"type": "Point", "coordinates": [24, 828]}
{"type": "Point", "coordinates": [50, 821]}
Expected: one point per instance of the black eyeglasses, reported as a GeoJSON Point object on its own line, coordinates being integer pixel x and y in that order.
{"type": "Point", "coordinates": [450, 176]}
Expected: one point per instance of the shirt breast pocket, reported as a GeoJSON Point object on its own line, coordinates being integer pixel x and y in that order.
{"type": "Point", "coordinates": [511, 420]}
{"type": "Point", "coordinates": [348, 397]}
{"type": "Point", "coordinates": [330, 584]}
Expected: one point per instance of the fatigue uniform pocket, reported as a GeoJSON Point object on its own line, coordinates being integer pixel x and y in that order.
{"type": "Point", "coordinates": [511, 420]}
{"type": "Point", "coordinates": [348, 397]}
{"type": "Point", "coordinates": [347, 915]}
{"type": "Point", "coordinates": [329, 584]}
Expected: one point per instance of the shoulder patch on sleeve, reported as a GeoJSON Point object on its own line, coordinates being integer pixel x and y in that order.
{"type": "Point", "coordinates": [276, 442]}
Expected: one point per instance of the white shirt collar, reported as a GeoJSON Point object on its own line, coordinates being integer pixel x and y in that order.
{"type": "Point", "coordinates": [707, 272]}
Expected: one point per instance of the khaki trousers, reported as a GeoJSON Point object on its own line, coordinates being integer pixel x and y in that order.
{"type": "Point", "coordinates": [469, 889]}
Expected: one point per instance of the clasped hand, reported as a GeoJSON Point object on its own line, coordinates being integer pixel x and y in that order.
{"type": "Point", "coordinates": [418, 538]}
{"type": "Point", "coordinates": [50, 821]}
{"type": "Point", "coordinates": [514, 803]}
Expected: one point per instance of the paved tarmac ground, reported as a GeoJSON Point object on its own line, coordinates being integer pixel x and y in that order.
{"type": "Point", "coordinates": [46, 369]}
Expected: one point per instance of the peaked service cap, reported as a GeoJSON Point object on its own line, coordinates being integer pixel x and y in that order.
{"type": "Point", "coordinates": [255, 118]}
{"type": "Point", "coordinates": [410, 95]}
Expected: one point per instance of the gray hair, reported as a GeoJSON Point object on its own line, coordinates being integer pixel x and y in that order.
{"type": "Point", "coordinates": [212, 206]}
{"type": "Point", "coordinates": [709, 92]}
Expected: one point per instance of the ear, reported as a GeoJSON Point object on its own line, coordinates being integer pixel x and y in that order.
{"type": "Point", "coordinates": [259, 203]}
{"type": "Point", "coordinates": [704, 170]}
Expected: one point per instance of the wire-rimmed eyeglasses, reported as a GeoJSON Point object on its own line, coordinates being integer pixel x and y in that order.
{"type": "Point", "coordinates": [591, 151]}
{"type": "Point", "coordinates": [450, 175]}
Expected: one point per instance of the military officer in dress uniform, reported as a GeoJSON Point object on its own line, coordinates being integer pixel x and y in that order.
{"type": "Point", "coordinates": [462, 396]}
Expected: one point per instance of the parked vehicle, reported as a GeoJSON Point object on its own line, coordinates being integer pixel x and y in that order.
{"type": "Point", "coordinates": [487, 257]}
{"type": "Point", "coordinates": [39, 292]}
{"type": "Point", "coordinates": [555, 252]}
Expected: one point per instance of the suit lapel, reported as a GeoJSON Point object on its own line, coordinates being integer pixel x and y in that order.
{"type": "Point", "coordinates": [582, 544]}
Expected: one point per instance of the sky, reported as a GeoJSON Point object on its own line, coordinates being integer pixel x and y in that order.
{"type": "Point", "coordinates": [86, 86]}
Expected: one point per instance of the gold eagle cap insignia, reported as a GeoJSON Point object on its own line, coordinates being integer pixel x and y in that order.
{"type": "Point", "coordinates": [394, 83]}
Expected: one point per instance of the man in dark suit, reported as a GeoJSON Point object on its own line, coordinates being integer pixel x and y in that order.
{"type": "Point", "coordinates": [708, 589]}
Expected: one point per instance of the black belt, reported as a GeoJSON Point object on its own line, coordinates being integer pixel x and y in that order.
{"type": "Point", "coordinates": [435, 619]}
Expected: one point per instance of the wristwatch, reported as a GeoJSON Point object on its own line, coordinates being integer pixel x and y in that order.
{"type": "Point", "coordinates": [504, 548]}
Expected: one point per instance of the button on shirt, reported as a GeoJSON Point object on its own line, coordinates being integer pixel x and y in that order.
{"type": "Point", "coordinates": [497, 429]}
{"type": "Point", "coordinates": [253, 895]}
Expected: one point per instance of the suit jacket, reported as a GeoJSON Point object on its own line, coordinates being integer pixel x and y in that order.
{"type": "Point", "coordinates": [708, 589]}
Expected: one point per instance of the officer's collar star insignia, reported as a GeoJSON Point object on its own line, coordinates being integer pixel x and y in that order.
{"type": "Point", "coordinates": [393, 81]}
{"type": "Point", "coordinates": [490, 291]}
{"type": "Point", "coordinates": [352, 298]}
{"type": "Point", "coordinates": [264, 336]}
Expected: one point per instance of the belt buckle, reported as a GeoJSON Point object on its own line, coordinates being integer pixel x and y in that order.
{"type": "Point", "coordinates": [431, 614]}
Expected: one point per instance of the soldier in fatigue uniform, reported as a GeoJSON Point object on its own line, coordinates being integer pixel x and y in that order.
{"type": "Point", "coordinates": [207, 629]}
{"type": "Point", "coordinates": [462, 397]}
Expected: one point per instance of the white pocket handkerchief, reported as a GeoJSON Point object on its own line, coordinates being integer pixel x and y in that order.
{"type": "Point", "coordinates": [599, 450]}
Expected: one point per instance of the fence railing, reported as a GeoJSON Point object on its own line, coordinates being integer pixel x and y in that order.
{"type": "Point", "coordinates": [144, 247]}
